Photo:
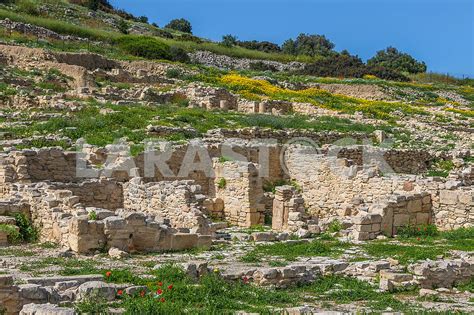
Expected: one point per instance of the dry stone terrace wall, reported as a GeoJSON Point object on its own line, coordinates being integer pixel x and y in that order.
{"type": "Point", "coordinates": [225, 62]}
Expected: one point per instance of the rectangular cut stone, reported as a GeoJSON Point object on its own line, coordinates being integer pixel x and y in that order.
{"type": "Point", "coordinates": [401, 219]}
{"type": "Point", "coordinates": [448, 197]}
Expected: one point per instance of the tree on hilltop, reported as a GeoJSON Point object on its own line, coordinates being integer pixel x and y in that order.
{"type": "Point", "coordinates": [181, 25]}
{"type": "Point", "coordinates": [392, 58]}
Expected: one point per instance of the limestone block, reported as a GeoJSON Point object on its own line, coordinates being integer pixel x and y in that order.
{"type": "Point", "coordinates": [33, 292]}
{"type": "Point", "coordinates": [360, 236]}
{"type": "Point", "coordinates": [401, 219]}
{"type": "Point", "coordinates": [97, 289]}
{"type": "Point", "coordinates": [423, 218]}
{"type": "Point", "coordinates": [204, 241]}
{"type": "Point", "coordinates": [467, 198]}
{"type": "Point", "coordinates": [182, 241]}
{"type": "Point", "coordinates": [263, 237]}
{"type": "Point", "coordinates": [448, 197]}
{"type": "Point", "coordinates": [414, 205]}
{"type": "Point", "coordinates": [50, 309]}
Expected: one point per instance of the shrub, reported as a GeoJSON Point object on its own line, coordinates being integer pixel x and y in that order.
{"type": "Point", "coordinates": [12, 233]}
{"type": "Point", "coordinates": [309, 45]}
{"type": "Point", "coordinates": [143, 19]}
{"type": "Point", "coordinates": [262, 66]}
{"type": "Point", "coordinates": [93, 4]}
{"type": "Point", "coordinates": [92, 216]}
{"type": "Point", "coordinates": [146, 47]}
{"type": "Point", "coordinates": [181, 25]}
{"type": "Point", "coordinates": [163, 33]}
{"type": "Point", "coordinates": [264, 46]}
{"type": "Point", "coordinates": [179, 54]}
{"type": "Point", "coordinates": [348, 66]}
{"type": "Point", "coordinates": [386, 74]}
{"type": "Point", "coordinates": [222, 183]}
{"type": "Point", "coordinates": [123, 26]}
{"type": "Point", "coordinates": [27, 231]}
{"type": "Point", "coordinates": [391, 58]}
{"type": "Point", "coordinates": [335, 226]}
{"type": "Point", "coordinates": [339, 65]}
{"type": "Point", "coordinates": [28, 6]}
{"type": "Point", "coordinates": [190, 38]}
{"type": "Point", "coordinates": [229, 40]}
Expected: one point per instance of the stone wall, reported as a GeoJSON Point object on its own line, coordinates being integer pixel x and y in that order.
{"type": "Point", "coordinates": [452, 203]}
{"type": "Point", "coordinates": [239, 186]}
{"type": "Point", "coordinates": [400, 161]}
{"type": "Point", "coordinates": [179, 202]}
{"type": "Point", "coordinates": [101, 193]}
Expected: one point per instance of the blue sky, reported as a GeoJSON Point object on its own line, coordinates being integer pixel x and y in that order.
{"type": "Point", "coordinates": [440, 32]}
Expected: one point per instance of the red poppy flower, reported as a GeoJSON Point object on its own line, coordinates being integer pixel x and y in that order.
{"type": "Point", "coordinates": [160, 284]}
{"type": "Point", "coordinates": [418, 238]}
{"type": "Point", "coordinates": [142, 293]}
{"type": "Point", "coordinates": [170, 287]}
{"type": "Point", "coordinates": [108, 274]}
{"type": "Point", "coordinates": [162, 300]}
{"type": "Point", "coordinates": [159, 291]}
{"type": "Point", "coordinates": [119, 292]}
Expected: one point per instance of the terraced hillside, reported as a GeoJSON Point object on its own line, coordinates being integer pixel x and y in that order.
{"type": "Point", "coordinates": [280, 192]}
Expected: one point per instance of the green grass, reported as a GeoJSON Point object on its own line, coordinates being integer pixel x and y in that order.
{"type": "Point", "coordinates": [344, 290]}
{"type": "Point", "coordinates": [291, 251]}
{"type": "Point", "coordinates": [419, 244]}
{"type": "Point", "coordinates": [210, 295]}
{"type": "Point", "coordinates": [59, 26]}
{"type": "Point", "coordinates": [131, 122]}
{"type": "Point", "coordinates": [405, 254]}
{"type": "Point", "coordinates": [16, 252]}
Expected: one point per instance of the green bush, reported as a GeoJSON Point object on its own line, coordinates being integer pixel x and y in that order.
{"type": "Point", "coordinates": [179, 54]}
{"type": "Point", "coordinates": [262, 66]}
{"type": "Point", "coordinates": [222, 183]}
{"type": "Point", "coordinates": [28, 6]}
{"type": "Point", "coordinates": [145, 47]}
{"type": "Point", "coordinates": [181, 25]}
{"type": "Point", "coordinates": [308, 45]}
{"type": "Point", "coordinates": [335, 226]}
{"type": "Point", "coordinates": [264, 46]}
{"type": "Point", "coordinates": [12, 233]}
{"type": "Point", "coordinates": [123, 26]}
{"type": "Point", "coordinates": [28, 232]}
{"type": "Point", "coordinates": [229, 40]}
{"type": "Point", "coordinates": [391, 58]}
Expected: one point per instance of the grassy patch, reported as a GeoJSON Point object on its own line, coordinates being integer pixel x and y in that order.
{"type": "Point", "coordinates": [343, 290]}
{"type": "Point", "coordinates": [131, 121]}
{"type": "Point", "coordinates": [170, 291]}
{"type": "Point", "coordinates": [405, 254]}
{"type": "Point", "coordinates": [291, 251]}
